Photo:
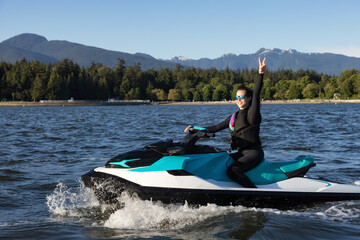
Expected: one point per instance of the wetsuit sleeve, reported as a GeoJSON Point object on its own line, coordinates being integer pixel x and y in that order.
{"type": "Point", "coordinates": [254, 116]}
{"type": "Point", "coordinates": [218, 127]}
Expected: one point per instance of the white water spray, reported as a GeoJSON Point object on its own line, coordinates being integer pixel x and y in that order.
{"type": "Point", "coordinates": [134, 213]}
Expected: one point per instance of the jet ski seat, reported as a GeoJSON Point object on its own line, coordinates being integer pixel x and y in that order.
{"type": "Point", "coordinates": [214, 167]}
{"type": "Point", "coordinates": [274, 171]}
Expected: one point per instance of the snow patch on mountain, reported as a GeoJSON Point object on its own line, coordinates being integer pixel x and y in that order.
{"type": "Point", "coordinates": [180, 58]}
{"type": "Point", "coordinates": [264, 51]}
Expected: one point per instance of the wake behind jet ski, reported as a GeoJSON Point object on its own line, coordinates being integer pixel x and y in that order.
{"type": "Point", "coordinates": [178, 172]}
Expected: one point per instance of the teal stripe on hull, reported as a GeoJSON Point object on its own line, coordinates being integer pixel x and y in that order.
{"type": "Point", "coordinates": [123, 162]}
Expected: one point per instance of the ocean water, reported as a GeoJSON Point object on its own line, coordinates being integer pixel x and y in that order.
{"type": "Point", "coordinates": [45, 150]}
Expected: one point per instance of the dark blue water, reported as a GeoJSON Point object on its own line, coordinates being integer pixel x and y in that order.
{"type": "Point", "coordinates": [45, 150]}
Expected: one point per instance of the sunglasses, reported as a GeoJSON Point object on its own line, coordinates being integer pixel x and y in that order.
{"type": "Point", "coordinates": [239, 97]}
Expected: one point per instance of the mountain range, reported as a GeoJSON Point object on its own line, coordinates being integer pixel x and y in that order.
{"type": "Point", "coordinates": [34, 47]}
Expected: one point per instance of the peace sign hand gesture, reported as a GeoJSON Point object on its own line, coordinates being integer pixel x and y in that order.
{"type": "Point", "coordinates": [262, 66]}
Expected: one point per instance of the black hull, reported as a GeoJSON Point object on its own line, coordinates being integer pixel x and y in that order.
{"type": "Point", "coordinates": [108, 187]}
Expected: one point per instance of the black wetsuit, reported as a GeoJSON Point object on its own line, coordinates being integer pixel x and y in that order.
{"type": "Point", "coordinates": [245, 138]}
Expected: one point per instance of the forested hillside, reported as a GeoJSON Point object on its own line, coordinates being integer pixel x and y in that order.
{"type": "Point", "coordinates": [34, 81]}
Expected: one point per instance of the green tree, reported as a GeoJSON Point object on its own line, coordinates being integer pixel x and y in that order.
{"type": "Point", "coordinates": [164, 80]}
{"type": "Point", "coordinates": [125, 87]}
{"type": "Point", "coordinates": [174, 95]}
{"type": "Point", "coordinates": [186, 94]}
{"type": "Point", "coordinates": [118, 73]}
{"type": "Point", "coordinates": [324, 80]}
{"type": "Point", "coordinates": [304, 81]}
{"type": "Point", "coordinates": [102, 89]}
{"type": "Point", "coordinates": [185, 84]}
{"type": "Point", "coordinates": [86, 86]}
{"type": "Point", "coordinates": [310, 91]}
{"type": "Point", "coordinates": [38, 89]}
{"type": "Point", "coordinates": [329, 90]}
{"type": "Point", "coordinates": [214, 82]}
{"type": "Point", "coordinates": [56, 88]}
{"type": "Point", "coordinates": [106, 83]}
{"type": "Point", "coordinates": [158, 94]}
{"type": "Point", "coordinates": [347, 73]}
{"type": "Point", "coordinates": [281, 87]}
{"type": "Point", "coordinates": [356, 85]}
{"type": "Point", "coordinates": [220, 93]}
{"type": "Point", "coordinates": [294, 91]}
{"type": "Point", "coordinates": [345, 83]}
{"type": "Point", "coordinates": [4, 88]}
{"type": "Point", "coordinates": [149, 89]}
{"type": "Point", "coordinates": [265, 91]}
{"type": "Point", "coordinates": [196, 95]}
{"type": "Point", "coordinates": [207, 92]}
{"type": "Point", "coordinates": [346, 88]}
{"type": "Point", "coordinates": [130, 95]}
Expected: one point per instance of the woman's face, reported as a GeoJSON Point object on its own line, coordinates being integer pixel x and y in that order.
{"type": "Point", "coordinates": [243, 100]}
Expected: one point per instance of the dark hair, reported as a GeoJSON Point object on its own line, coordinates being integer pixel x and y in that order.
{"type": "Point", "coordinates": [249, 92]}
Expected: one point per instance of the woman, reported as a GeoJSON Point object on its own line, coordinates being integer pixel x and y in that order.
{"type": "Point", "coordinates": [244, 127]}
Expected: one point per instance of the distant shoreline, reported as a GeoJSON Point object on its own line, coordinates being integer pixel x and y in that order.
{"type": "Point", "coordinates": [295, 101]}
{"type": "Point", "coordinates": [139, 102]}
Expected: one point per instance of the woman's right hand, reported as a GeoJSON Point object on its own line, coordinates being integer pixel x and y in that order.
{"type": "Point", "coordinates": [187, 128]}
{"type": "Point", "coordinates": [262, 66]}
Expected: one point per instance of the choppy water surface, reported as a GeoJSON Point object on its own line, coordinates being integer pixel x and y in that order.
{"type": "Point", "coordinates": [45, 150]}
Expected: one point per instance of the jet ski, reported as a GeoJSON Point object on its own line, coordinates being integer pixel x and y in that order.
{"type": "Point", "coordinates": [175, 172]}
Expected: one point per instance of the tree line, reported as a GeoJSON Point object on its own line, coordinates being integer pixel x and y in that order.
{"type": "Point", "coordinates": [35, 81]}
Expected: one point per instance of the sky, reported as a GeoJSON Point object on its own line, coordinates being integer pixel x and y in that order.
{"type": "Point", "coordinates": [190, 28]}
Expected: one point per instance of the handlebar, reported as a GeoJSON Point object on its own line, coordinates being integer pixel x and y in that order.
{"type": "Point", "coordinates": [194, 134]}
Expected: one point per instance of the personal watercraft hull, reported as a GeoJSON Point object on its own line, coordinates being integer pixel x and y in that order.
{"type": "Point", "coordinates": [288, 193]}
{"type": "Point", "coordinates": [175, 173]}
